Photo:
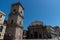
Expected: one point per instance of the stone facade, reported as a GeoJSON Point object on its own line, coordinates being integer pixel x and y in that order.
{"type": "Point", "coordinates": [2, 17]}
{"type": "Point", "coordinates": [24, 34]}
{"type": "Point", "coordinates": [2, 26]}
{"type": "Point", "coordinates": [14, 29]}
{"type": "Point", "coordinates": [37, 30]}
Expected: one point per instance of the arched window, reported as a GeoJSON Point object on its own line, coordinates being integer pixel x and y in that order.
{"type": "Point", "coordinates": [8, 37]}
{"type": "Point", "coordinates": [0, 16]}
{"type": "Point", "coordinates": [49, 36]}
{"type": "Point", "coordinates": [40, 36]}
{"type": "Point", "coordinates": [21, 12]}
{"type": "Point", "coordinates": [35, 35]}
{"type": "Point", "coordinates": [11, 21]}
{"type": "Point", "coordinates": [1, 27]}
{"type": "Point", "coordinates": [20, 22]}
{"type": "Point", "coordinates": [31, 36]}
{"type": "Point", "coordinates": [0, 35]}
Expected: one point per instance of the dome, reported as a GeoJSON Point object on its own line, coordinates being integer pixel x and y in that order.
{"type": "Point", "coordinates": [37, 23]}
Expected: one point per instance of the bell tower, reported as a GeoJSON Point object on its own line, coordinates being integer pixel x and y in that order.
{"type": "Point", "coordinates": [16, 15]}
{"type": "Point", "coordinates": [15, 21]}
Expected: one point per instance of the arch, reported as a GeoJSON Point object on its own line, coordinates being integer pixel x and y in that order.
{"type": "Point", "coordinates": [35, 35]}
{"type": "Point", "coordinates": [11, 21]}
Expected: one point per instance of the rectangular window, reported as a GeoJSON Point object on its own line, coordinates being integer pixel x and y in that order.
{"type": "Point", "coordinates": [11, 21]}
{"type": "Point", "coordinates": [1, 27]}
{"type": "Point", "coordinates": [20, 22]}
{"type": "Point", "coordinates": [0, 16]}
{"type": "Point", "coordinates": [0, 35]}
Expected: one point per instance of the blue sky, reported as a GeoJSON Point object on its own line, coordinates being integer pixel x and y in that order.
{"type": "Point", "coordinates": [47, 11]}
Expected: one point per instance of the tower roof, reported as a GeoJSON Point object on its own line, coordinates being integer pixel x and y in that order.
{"type": "Point", "coordinates": [18, 3]}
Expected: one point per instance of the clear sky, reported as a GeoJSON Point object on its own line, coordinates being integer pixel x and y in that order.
{"type": "Point", "coordinates": [47, 11]}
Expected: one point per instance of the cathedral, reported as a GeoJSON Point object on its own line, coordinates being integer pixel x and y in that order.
{"type": "Point", "coordinates": [38, 30]}
{"type": "Point", "coordinates": [12, 29]}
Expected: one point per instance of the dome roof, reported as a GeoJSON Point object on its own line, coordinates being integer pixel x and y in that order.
{"type": "Point", "coordinates": [37, 23]}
